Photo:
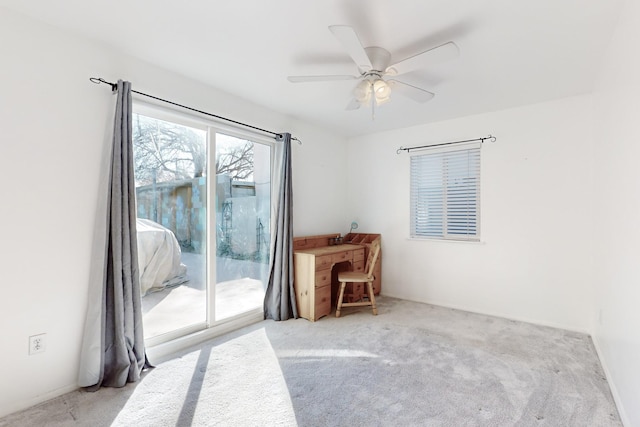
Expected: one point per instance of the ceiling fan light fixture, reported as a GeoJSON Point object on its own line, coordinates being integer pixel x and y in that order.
{"type": "Point", "coordinates": [380, 101]}
{"type": "Point", "coordinates": [362, 92]}
{"type": "Point", "coordinates": [381, 91]}
{"type": "Point", "coordinates": [381, 88]}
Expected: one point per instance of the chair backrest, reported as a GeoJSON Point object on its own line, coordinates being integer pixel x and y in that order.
{"type": "Point", "coordinates": [374, 252]}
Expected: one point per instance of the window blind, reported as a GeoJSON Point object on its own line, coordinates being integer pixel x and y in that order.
{"type": "Point", "coordinates": [445, 194]}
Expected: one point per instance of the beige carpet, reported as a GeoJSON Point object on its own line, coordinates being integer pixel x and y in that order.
{"type": "Point", "coordinates": [412, 365]}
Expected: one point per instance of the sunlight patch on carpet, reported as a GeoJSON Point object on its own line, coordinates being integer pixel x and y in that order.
{"type": "Point", "coordinates": [229, 383]}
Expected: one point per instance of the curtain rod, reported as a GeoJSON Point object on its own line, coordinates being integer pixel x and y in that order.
{"type": "Point", "coordinates": [114, 87]}
{"type": "Point", "coordinates": [408, 149]}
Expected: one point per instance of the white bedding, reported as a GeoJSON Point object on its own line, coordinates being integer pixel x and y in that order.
{"type": "Point", "coordinates": [158, 257]}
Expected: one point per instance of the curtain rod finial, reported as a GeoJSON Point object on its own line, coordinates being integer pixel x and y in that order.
{"type": "Point", "coordinates": [98, 80]}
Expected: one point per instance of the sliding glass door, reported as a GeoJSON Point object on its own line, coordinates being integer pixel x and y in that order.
{"type": "Point", "coordinates": [243, 203]}
{"type": "Point", "coordinates": [171, 193]}
{"type": "Point", "coordinates": [203, 238]}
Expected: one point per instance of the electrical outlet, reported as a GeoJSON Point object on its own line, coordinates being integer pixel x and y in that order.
{"type": "Point", "coordinates": [37, 343]}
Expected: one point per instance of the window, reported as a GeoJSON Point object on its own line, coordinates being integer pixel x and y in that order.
{"type": "Point", "coordinates": [445, 194]}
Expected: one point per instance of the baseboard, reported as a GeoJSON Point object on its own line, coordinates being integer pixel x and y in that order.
{"type": "Point", "coordinates": [612, 385]}
{"type": "Point", "coordinates": [500, 315]}
{"type": "Point", "coordinates": [24, 404]}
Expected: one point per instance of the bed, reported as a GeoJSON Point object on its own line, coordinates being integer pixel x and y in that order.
{"type": "Point", "coordinates": [159, 257]}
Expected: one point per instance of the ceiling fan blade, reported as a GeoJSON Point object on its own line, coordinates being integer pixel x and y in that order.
{"type": "Point", "coordinates": [353, 105]}
{"type": "Point", "coordinates": [412, 92]}
{"type": "Point", "coordinates": [349, 39]}
{"type": "Point", "coordinates": [425, 59]}
{"type": "Point", "coordinates": [328, 78]}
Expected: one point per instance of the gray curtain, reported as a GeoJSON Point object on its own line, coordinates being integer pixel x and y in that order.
{"type": "Point", "coordinates": [280, 297]}
{"type": "Point", "coordinates": [120, 337]}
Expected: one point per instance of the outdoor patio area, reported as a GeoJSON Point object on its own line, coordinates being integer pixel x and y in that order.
{"type": "Point", "coordinates": [237, 291]}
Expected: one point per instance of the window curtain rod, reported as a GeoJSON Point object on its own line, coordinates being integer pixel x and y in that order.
{"type": "Point", "coordinates": [114, 87]}
{"type": "Point", "coordinates": [408, 149]}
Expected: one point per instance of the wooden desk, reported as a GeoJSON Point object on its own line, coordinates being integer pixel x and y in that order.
{"type": "Point", "coordinates": [312, 282]}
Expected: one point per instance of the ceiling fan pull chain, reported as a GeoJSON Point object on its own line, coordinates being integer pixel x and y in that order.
{"type": "Point", "coordinates": [373, 103]}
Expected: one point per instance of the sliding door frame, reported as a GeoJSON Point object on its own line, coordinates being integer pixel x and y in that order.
{"type": "Point", "coordinates": [181, 338]}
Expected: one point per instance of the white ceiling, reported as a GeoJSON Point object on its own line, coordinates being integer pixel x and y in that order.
{"type": "Point", "coordinates": [511, 52]}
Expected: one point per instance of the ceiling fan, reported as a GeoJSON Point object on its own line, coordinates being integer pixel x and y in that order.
{"type": "Point", "coordinates": [376, 74]}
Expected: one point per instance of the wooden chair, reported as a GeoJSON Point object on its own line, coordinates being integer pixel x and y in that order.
{"type": "Point", "coordinates": [367, 277]}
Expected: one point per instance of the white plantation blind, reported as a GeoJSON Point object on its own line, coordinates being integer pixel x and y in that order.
{"type": "Point", "coordinates": [445, 194]}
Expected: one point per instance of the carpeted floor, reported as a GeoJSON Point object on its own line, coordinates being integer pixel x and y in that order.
{"type": "Point", "coordinates": [412, 365]}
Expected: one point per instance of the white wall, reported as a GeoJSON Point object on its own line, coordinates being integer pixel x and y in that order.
{"type": "Point", "coordinates": [535, 259]}
{"type": "Point", "coordinates": [616, 319]}
{"type": "Point", "coordinates": [53, 123]}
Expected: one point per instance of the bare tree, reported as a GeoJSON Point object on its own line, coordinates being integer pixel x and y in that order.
{"type": "Point", "coordinates": [236, 161]}
{"type": "Point", "coordinates": [165, 151]}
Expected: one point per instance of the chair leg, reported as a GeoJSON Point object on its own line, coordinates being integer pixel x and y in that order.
{"type": "Point", "coordinates": [339, 305]}
{"type": "Point", "coordinates": [372, 298]}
